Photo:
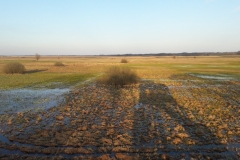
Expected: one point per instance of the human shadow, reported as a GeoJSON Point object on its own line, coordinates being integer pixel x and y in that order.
{"type": "Point", "coordinates": [146, 121]}
{"type": "Point", "coordinates": [161, 121]}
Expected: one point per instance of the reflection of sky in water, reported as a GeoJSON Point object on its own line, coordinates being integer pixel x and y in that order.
{"type": "Point", "coordinates": [26, 99]}
{"type": "Point", "coordinates": [218, 77]}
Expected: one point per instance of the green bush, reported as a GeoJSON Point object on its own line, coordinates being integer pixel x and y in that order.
{"type": "Point", "coordinates": [14, 67]}
{"type": "Point", "coordinates": [124, 61]}
{"type": "Point", "coordinates": [58, 64]}
{"type": "Point", "coordinates": [119, 76]}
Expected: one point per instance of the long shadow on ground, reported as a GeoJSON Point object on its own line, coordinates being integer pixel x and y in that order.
{"type": "Point", "coordinates": [34, 71]}
{"type": "Point", "coordinates": [159, 123]}
{"type": "Point", "coordinates": [143, 122]}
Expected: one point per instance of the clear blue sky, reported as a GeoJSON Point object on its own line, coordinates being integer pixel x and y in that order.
{"type": "Point", "coordinates": [77, 27]}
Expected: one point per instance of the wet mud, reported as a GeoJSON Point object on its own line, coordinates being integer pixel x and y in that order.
{"type": "Point", "coordinates": [145, 121]}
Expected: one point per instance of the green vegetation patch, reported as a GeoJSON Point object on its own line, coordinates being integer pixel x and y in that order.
{"type": "Point", "coordinates": [42, 79]}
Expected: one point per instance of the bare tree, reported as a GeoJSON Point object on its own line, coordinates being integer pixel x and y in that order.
{"type": "Point", "coordinates": [37, 56]}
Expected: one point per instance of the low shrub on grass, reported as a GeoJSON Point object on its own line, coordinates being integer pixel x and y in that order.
{"type": "Point", "coordinates": [58, 64]}
{"type": "Point", "coordinates": [119, 76]}
{"type": "Point", "coordinates": [14, 67]}
{"type": "Point", "coordinates": [124, 61]}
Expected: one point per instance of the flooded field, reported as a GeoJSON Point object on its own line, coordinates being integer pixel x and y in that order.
{"type": "Point", "coordinates": [22, 100]}
{"type": "Point", "coordinates": [147, 120]}
{"type": "Point", "coordinates": [216, 77]}
{"type": "Point", "coordinates": [169, 114]}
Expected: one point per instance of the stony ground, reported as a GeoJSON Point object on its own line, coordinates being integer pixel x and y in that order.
{"type": "Point", "coordinates": [150, 120]}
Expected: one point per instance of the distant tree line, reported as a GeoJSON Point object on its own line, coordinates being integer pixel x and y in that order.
{"type": "Point", "coordinates": [181, 54]}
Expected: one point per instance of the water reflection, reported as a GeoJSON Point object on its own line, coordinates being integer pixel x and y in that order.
{"type": "Point", "coordinates": [18, 100]}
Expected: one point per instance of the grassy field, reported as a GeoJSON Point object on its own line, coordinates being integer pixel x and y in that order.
{"type": "Point", "coordinates": [182, 108]}
{"type": "Point", "coordinates": [43, 72]}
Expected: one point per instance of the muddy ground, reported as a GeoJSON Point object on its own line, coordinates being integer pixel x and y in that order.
{"type": "Point", "coordinates": [150, 120]}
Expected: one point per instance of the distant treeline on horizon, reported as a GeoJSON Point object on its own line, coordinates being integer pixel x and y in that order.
{"type": "Point", "coordinates": [181, 54]}
{"type": "Point", "coordinates": [152, 54]}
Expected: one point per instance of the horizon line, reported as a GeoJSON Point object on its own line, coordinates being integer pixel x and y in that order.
{"type": "Point", "coordinates": [117, 54]}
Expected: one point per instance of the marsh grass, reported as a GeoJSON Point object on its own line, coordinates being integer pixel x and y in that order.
{"type": "Point", "coordinates": [59, 64]}
{"type": "Point", "coordinates": [119, 77]}
{"type": "Point", "coordinates": [13, 67]}
{"type": "Point", "coordinates": [145, 67]}
{"type": "Point", "coordinates": [194, 111]}
{"type": "Point", "coordinates": [124, 61]}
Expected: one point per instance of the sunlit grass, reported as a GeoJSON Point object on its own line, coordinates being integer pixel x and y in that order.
{"type": "Point", "coordinates": [146, 67]}
{"type": "Point", "coordinates": [51, 80]}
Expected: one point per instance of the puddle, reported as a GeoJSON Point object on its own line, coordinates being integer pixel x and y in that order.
{"type": "Point", "coordinates": [18, 100]}
{"type": "Point", "coordinates": [219, 77]}
{"type": "Point", "coordinates": [4, 139]}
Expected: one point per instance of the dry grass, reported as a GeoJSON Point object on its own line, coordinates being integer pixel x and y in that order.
{"type": "Point", "coordinates": [151, 67]}
{"type": "Point", "coordinates": [124, 61]}
{"type": "Point", "coordinates": [119, 76]}
{"type": "Point", "coordinates": [59, 64]}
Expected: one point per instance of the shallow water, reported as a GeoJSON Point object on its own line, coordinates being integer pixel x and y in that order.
{"type": "Point", "coordinates": [219, 77]}
{"type": "Point", "coordinates": [18, 100]}
{"type": "Point", "coordinates": [144, 113]}
{"type": "Point", "coordinates": [4, 139]}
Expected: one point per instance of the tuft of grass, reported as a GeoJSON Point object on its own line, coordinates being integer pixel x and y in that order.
{"type": "Point", "coordinates": [119, 76]}
{"type": "Point", "coordinates": [124, 61]}
{"type": "Point", "coordinates": [58, 64]}
{"type": "Point", "coordinates": [14, 67]}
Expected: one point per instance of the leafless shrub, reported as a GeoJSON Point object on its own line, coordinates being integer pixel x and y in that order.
{"type": "Point", "coordinates": [119, 76]}
{"type": "Point", "coordinates": [37, 56]}
{"type": "Point", "coordinates": [124, 61]}
{"type": "Point", "coordinates": [14, 67]}
{"type": "Point", "coordinates": [58, 64]}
